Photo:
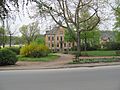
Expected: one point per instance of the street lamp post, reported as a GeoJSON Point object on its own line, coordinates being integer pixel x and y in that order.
{"type": "Point", "coordinates": [3, 30]}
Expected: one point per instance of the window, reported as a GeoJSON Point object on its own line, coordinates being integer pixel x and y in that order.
{"type": "Point", "coordinates": [65, 49]}
{"type": "Point", "coordinates": [49, 44]}
{"type": "Point", "coordinates": [49, 38]}
{"type": "Point", "coordinates": [61, 38]}
{"type": "Point", "coordinates": [57, 38]}
{"type": "Point", "coordinates": [61, 32]}
{"type": "Point", "coordinates": [52, 38]}
{"type": "Point", "coordinates": [52, 45]}
{"type": "Point", "coordinates": [57, 44]}
{"type": "Point", "coordinates": [69, 44]}
{"type": "Point", "coordinates": [64, 44]}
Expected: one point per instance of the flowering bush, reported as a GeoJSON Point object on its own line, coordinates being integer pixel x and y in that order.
{"type": "Point", "coordinates": [34, 50]}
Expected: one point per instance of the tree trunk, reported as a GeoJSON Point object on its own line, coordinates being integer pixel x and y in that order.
{"type": "Point", "coordinates": [78, 43]}
{"type": "Point", "coordinates": [3, 41]}
{"type": "Point", "coordinates": [10, 40]}
{"type": "Point", "coordinates": [3, 34]}
{"type": "Point", "coordinates": [85, 43]}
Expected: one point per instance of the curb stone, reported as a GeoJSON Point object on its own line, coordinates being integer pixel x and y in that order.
{"type": "Point", "coordinates": [62, 66]}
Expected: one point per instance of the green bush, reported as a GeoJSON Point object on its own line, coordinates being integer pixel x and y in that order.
{"type": "Point", "coordinates": [7, 57]}
{"type": "Point", "coordinates": [34, 50]}
{"type": "Point", "coordinates": [117, 52]}
{"type": "Point", "coordinates": [90, 47]}
{"type": "Point", "coordinates": [112, 46]}
{"type": "Point", "coordinates": [15, 49]}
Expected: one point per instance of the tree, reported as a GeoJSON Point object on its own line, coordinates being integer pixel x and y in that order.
{"type": "Point", "coordinates": [7, 6]}
{"type": "Point", "coordinates": [30, 32]}
{"type": "Point", "coordinates": [117, 16]}
{"type": "Point", "coordinates": [70, 12]}
{"type": "Point", "coordinates": [3, 37]}
{"type": "Point", "coordinates": [68, 37]}
{"type": "Point", "coordinates": [117, 36]}
{"type": "Point", "coordinates": [117, 23]}
{"type": "Point", "coordinates": [40, 40]}
{"type": "Point", "coordinates": [91, 38]}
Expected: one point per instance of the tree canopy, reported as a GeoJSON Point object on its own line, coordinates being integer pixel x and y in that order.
{"type": "Point", "coordinates": [30, 32]}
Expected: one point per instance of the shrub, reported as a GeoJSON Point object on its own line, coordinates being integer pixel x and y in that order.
{"type": "Point", "coordinates": [90, 47]}
{"type": "Point", "coordinates": [7, 57]}
{"type": "Point", "coordinates": [15, 49]}
{"type": "Point", "coordinates": [34, 50]}
{"type": "Point", "coordinates": [117, 52]}
{"type": "Point", "coordinates": [112, 46]}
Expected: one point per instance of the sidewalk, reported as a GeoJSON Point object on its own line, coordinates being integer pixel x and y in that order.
{"type": "Point", "coordinates": [61, 62]}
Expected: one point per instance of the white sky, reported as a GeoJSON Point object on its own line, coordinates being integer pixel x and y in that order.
{"type": "Point", "coordinates": [23, 18]}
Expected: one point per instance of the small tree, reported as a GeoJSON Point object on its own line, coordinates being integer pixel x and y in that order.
{"type": "Point", "coordinates": [3, 37]}
{"type": "Point", "coordinates": [117, 36]}
{"type": "Point", "coordinates": [40, 40]}
{"type": "Point", "coordinates": [30, 32]}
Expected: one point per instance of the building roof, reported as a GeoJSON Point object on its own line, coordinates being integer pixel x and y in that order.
{"type": "Point", "coordinates": [53, 31]}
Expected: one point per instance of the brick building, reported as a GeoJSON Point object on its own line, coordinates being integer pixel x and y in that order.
{"type": "Point", "coordinates": [55, 39]}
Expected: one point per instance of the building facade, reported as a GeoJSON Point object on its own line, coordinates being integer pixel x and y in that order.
{"type": "Point", "coordinates": [55, 40]}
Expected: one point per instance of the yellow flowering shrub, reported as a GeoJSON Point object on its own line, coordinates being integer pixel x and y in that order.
{"type": "Point", "coordinates": [34, 50]}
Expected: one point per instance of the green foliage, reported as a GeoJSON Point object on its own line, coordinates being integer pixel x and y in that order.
{"type": "Point", "coordinates": [112, 46]}
{"type": "Point", "coordinates": [7, 57]}
{"type": "Point", "coordinates": [30, 32]}
{"type": "Point", "coordinates": [40, 40]}
{"type": "Point", "coordinates": [117, 36]}
{"type": "Point", "coordinates": [99, 53]}
{"type": "Point", "coordinates": [99, 60]}
{"type": "Point", "coordinates": [3, 37]}
{"type": "Point", "coordinates": [117, 14]}
{"type": "Point", "coordinates": [34, 50]}
{"type": "Point", "coordinates": [15, 49]}
{"type": "Point", "coordinates": [90, 47]}
{"type": "Point", "coordinates": [92, 37]}
{"type": "Point", "coordinates": [117, 53]}
{"type": "Point", "coordinates": [69, 37]}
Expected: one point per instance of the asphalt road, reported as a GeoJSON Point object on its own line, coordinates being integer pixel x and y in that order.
{"type": "Point", "coordinates": [100, 78]}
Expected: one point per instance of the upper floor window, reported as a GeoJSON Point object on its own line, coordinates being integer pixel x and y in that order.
{"type": "Point", "coordinates": [64, 44]}
{"type": "Point", "coordinates": [49, 38]}
{"type": "Point", "coordinates": [61, 32]}
{"type": "Point", "coordinates": [52, 38]}
{"type": "Point", "coordinates": [61, 38]}
{"type": "Point", "coordinates": [57, 38]}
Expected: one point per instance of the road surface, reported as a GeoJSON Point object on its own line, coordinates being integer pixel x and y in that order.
{"type": "Point", "coordinates": [100, 78]}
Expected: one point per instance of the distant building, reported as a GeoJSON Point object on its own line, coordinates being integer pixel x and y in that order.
{"type": "Point", "coordinates": [54, 39]}
{"type": "Point", "coordinates": [106, 36]}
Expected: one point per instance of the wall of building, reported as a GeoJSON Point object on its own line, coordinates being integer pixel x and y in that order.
{"type": "Point", "coordinates": [56, 41]}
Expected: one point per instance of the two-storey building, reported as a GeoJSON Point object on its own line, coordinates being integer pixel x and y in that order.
{"type": "Point", "coordinates": [55, 39]}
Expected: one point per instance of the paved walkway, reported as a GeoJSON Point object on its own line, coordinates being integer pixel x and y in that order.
{"type": "Point", "coordinates": [59, 63]}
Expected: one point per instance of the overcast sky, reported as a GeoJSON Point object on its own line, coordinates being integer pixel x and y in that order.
{"type": "Point", "coordinates": [22, 18]}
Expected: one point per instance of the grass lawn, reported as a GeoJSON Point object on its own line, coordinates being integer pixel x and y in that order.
{"type": "Point", "coordinates": [48, 58]}
{"type": "Point", "coordinates": [100, 53]}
